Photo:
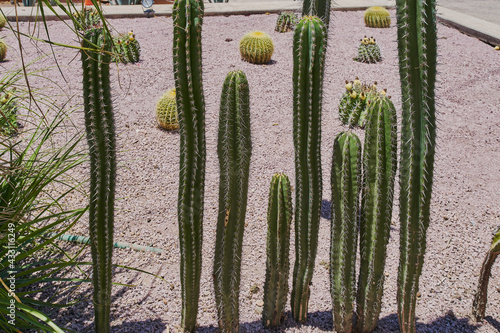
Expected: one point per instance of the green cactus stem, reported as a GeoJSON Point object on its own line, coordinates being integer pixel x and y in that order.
{"type": "Point", "coordinates": [368, 51]}
{"type": "Point", "coordinates": [481, 297]}
{"type": "Point", "coordinates": [279, 221]}
{"type": "Point", "coordinates": [166, 111]}
{"type": "Point", "coordinates": [417, 47]}
{"type": "Point", "coordinates": [86, 19]}
{"type": "Point", "coordinates": [379, 172]}
{"type": "Point", "coordinates": [127, 48]}
{"type": "Point", "coordinates": [377, 17]}
{"type": "Point", "coordinates": [256, 47]}
{"type": "Point", "coordinates": [308, 67]}
{"type": "Point", "coordinates": [346, 187]}
{"type": "Point", "coordinates": [188, 19]}
{"type": "Point", "coordinates": [319, 8]}
{"type": "Point", "coordinates": [100, 128]}
{"type": "Point", "coordinates": [286, 22]}
{"type": "Point", "coordinates": [354, 102]}
{"type": "Point", "coordinates": [234, 148]}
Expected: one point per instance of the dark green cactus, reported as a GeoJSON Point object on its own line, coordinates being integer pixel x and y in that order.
{"type": "Point", "coordinates": [354, 102]}
{"type": "Point", "coordinates": [346, 187]}
{"type": "Point", "coordinates": [308, 67]}
{"type": "Point", "coordinates": [379, 172]}
{"type": "Point", "coordinates": [481, 297]}
{"type": "Point", "coordinates": [234, 149]}
{"type": "Point", "coordinates": [368, 51]}
{"type": "Point", "coordinates": [86, 19]}
{"type": "Point", "coordinates": [100, 128]}
{"type": "Point", "coordinates": [127, 48]}
{"type": "Point", "coordinates": [279, 221]}
{"type": "Point", "coordinates": [417, 47]}
{"type": "Point", "coordinates": [286, 22]}
{"type": "Point", "coordinates": [319, 8]}
{"type": "Point", "coordinates": [377, 17]}
{"type": "Point", "coordinates": [188, 18]}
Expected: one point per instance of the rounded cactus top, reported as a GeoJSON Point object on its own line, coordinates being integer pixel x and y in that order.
{"type": "Point", "coordinates": [3, 21]}
{"type": "Point", "coordinates": [377, 17]}
{"type": "Point", "coordinates": [256, 47]}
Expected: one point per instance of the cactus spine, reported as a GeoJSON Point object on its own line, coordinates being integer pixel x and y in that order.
{"type": "Point", "coordinates": [188, 18]}
{"type": "Point", "coordinates": [308, 65]}
{"type": "Point", "coordinates": [279, 219]}
{"type": "Point", "coordinates": [233, 149]}
{"type": "Point", "coordinates": [481, 297]}
{"type": "Point", "coordinates": [346, 186]}
{"type": "Point", "coordinates": [319, 8]}
{"type": "Point", "coordinates": [379, 171]}
{"type": "Point", "coordinates": [100, 128]}
{"type": "Point", "coordinates": [417, 67]}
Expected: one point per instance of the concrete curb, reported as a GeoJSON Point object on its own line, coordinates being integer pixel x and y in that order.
{"type": "Point", "coordinates": [481, 29]}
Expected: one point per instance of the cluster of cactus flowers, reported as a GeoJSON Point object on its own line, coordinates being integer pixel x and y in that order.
{"type": "Point", "coordinates": [368, 51]}
{"type": "Point", "coordinates": [8, 112]}
{"type": "Point", "coordinates": [353, 106]}
{"type": "Point", "coordinates": [377, 17]}
{"type": "Point", "coordinates": [86, 18]}
{"type": "Point", "coordinates": [126, 48]}
{"type": "Point", "coordinates": [166, 111]}
{"type": "Point", "coordinates": [286, 22]}
{"type": "Point", "coordinates": [256, 47]}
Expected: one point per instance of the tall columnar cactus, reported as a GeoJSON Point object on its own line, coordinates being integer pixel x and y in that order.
{"type": "Point", "coordinates": [233, 149]}
{"type": "Point", "coordinates": [188, 18]}
{"type": "Point", "coordinates": [100, 128]}
{"type": "Point", "coordinates": [346, 187]}
{"type": "Point", "coordinates": [319, 8]}
{"type": "Point", "coordinates": [379, 171]}
{"type": "Point", "coordinates": [308, 66]}
{"type": "Point", "coordinates": [481, 297]}
{"type": "Point", "coordinates": [417, 44]}
{"type": "Point", "coordinates": [279, 220]}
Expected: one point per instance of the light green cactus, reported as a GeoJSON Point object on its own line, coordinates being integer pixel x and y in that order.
{"type": "Point", "coordinates": [377, 17]}
{"type": "Point", "coordinates": [256, 47]}
{"type": "Point", "coordinates": [188, 19]}
{"type": "Point", "coordinates": [100, 128]}
{"type": "Point", "coordinates": [379, 172]}
{"type": "Point", "coordinates": [346, 187]}
{"type": "Point", "coordinates": [417, 48]}
{"type": "Point", "coordinates": [166, 111]}
{"type": "Point", "coordinates": [368, 51]}
{"type": "Point", "coordinates": [8, 112]}
{"type": "Point", "coordinates": [279, 221]}
{"type": "Point", "coordinates": [3, 50]}
{"type": "Point", "coordinates": [286, 22]}
{"type": "Point", "coordinates": [309, 47]}
{"type": "Point", "coordinates": [481, 297]}
{"type": "Point", "coordinates": [3, 20]}
{"type": "Point", "coordinates": [234, 149]}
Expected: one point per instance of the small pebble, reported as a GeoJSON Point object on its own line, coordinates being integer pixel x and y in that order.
{"type": "Point", "coordinates": [260, 303]}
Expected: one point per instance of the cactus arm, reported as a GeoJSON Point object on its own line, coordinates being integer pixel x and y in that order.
{"type": "Point", "coordinates": [379, 165]}
{"type": "Point", "coordinates": [100, 129]}
{"type": "Point", "coordinates": [417, 43]}
{"type": "Point", "coordinates": [481, 297]}
{"type": "Point", "coordinates": [309, 46]}
{"type": "Point", "coordinates": [346, 185]}
{"type": "Point", "coordinates": [188, 17]}
{"type": "Point", "coordinates": [279, 217]}
{"type": "Point", "coordinates": [234, 151]}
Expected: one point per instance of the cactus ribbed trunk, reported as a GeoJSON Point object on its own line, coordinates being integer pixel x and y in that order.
{"type": "Point", "coordinates": [308, 66]}
{"type": "Point", "coordinates": [379, 172]}
{"type": "Point", "coordinates": [481, 297]}
{"type": "Point", "coordinates": [346, 187]}
{"type": "Point", "coordinates": [188, 18]}
{"type": "Point", "coordinates": [234, 149]}
{"type": "Point", "coordinates": [100, 128]}
{"type": "Point", "coordinates": [417, 44]}
{"type": "Point", "coordinates": [319, 8]}
{"type": "Point", "coordinates": [279, 220]}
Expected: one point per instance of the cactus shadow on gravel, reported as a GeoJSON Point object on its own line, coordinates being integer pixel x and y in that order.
{"type": "Point", "coordinates": [326, 209]}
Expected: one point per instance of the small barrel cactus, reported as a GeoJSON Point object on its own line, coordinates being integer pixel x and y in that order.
{"type": "Point", "coordinates": [256, 47]}
{"type": "Point", "coordinates": [127, 48]}
{"type": "Point", "coordinates": [286, 22]}
{"type": "Point", "coordinates": [86, 18]}
{"type": "Point", "coordinates": [354, 102]}
{"type": "Point", "coordinates": [368, 51]}
{"type": "Point", "coordinates": [8, 113]}
{"type": "Point", "coordinates": [3, 21]}
{"type": "Point", "coordinates": [166, 111]}
{"type": "Point", "coordinates": [377, 17]}
{"type": "Point", "coordinates": [3, 49]}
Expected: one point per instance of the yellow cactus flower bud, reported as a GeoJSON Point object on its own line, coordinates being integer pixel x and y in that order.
{"type": "Point", "coordinates": [348, 86]}
{"type": "Point", "coordinates": [353, 94]}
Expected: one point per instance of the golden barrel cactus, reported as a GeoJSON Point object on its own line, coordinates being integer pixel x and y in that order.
{"type": "Point", "coordinates": [166, 111]}
{"type": "Point", "coordinates": [3, 50]}
{"type": "Point", "coordinates": [256, 47]}
{"type": "Point", "coordinates": [377, 17]}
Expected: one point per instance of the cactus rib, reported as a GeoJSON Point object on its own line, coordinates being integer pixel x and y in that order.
{"type": "Point", "coordinates": [188, 18]}
{"type": "Point", "coordinates": [308, 66]}
{"type": "Point", "coordinates": [417, 44]}
{"type": "Point", "coordinates": [279, 219]}
{"type": "Point", "coordinates": [100, 129]}
{"type": "Point", "coordinates": [346, 186]}
{"type": "Point", "coordinates": [233, 149]}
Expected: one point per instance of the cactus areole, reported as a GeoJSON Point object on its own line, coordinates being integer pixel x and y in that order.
{"type": "Point", "coordinates": [417, 44]}
{"type": "Point", "coordinates": [188, 17]}
{"type": "Point", "coordinates": [308, 66]}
